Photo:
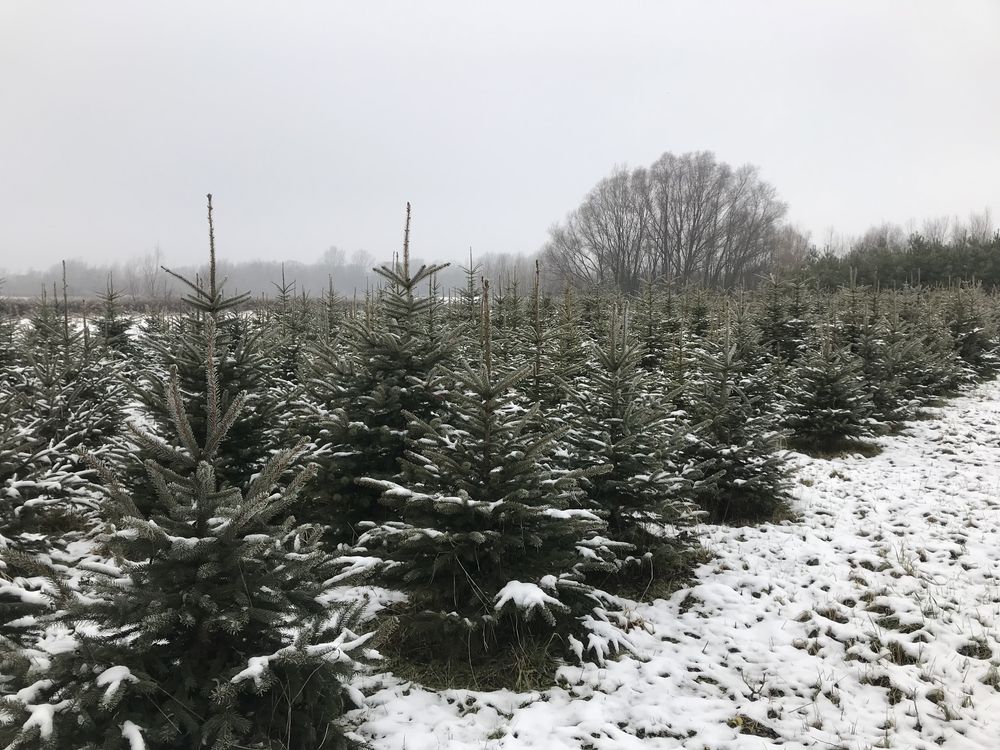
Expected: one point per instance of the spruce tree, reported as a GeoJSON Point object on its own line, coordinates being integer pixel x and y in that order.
{"type": "Point", "coordinates": [830, 406]}
{"type": "Point", "coordinates": [359, 391]}
{"type": "Point", "coordinates": [206, 632]}
{"type": "Point", "coordinates": [241, 361]}
{"type": "Point", "coordinates": [618, 424]}
{"type": "Point", "coordinates": [66, 397]}
{"type": "Point", "coordinates": [491, 546]}
{"type": "Point", "coordinates": [733, 443]}
{"type": "Point", "coordinates": [973, 337]}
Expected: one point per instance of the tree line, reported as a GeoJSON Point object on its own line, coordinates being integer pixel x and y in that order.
{"type": "Point", "coordinates": [689, 218]}
{"type": "Point", "coordinates": [224, 514]}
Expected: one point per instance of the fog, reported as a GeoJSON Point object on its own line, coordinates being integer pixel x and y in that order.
{"type": "Point", "coordinates": [314, 123]}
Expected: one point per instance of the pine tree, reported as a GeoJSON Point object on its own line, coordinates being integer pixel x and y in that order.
{"type": "Point", "coordinates": [489, 543]}
{"type": "Point", "coordinates": [616, 423]}
{"type": "Point", "coordinates": [208, 631]}
{"type": "Point", "coordinates": [830, 406]}
{"type": "Point", "coordinates": [359, 392]}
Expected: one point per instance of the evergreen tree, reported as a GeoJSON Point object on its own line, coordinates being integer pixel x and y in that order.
{"type": "Point", "coordinates": [616, 423]}
{"type": "Point", "coordinates": [784, 322]}
{"type": "Point", "coordinates": [492, 546]}
{"type": "Point", "coordinates": [358, 394]}
{"type": "Point", "coordinates": [974, 339]}
{"type": "Point", "coordinates": [830, 405]}
{"type": "Point", "coordinates": [65, 398]}
{"type": "Point", "coordinates": [113, 326]}
{"type": "Point", "coordinates": [733, 444]}
{"type": "Point", "coordinates": [242, 364]}
{"type": "Point", "coordinates": [208, 631]}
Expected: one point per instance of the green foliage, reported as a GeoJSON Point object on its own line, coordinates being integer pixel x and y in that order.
{"type": "Point", "coordinates": [829, 405]}
{"type": "Point", "coordinates": [617, 423]}
{"type": "Point", "coordinates": [492, 545]}
{"type": "Point", "coordinates": [736, 446]}
{"type": "Point", "coordinates": [207, 631]}
{"type": "Point", "coordinates": [360, 391]}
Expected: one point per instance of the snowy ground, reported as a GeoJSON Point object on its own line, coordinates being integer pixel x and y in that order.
{"type": "Point", "coordinates": [872, 621]}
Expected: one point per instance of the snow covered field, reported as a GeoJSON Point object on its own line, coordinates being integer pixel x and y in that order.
{"type": "Point", "coordinates": [870, 621]}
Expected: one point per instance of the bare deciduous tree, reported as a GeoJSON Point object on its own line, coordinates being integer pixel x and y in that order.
{"type": "Point", "coordinates": [689, 218]}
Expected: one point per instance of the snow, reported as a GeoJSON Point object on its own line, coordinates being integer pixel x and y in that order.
{"type": "Point", "coordinates": [871, 620]}
{"type": "Point", "coordinates": [42, 715]}
{"type": "Point", "coordinates": [133, 734]}
{"type": "Point", "coordinates": [337, 650]}
{"type": "Point", "coordinates": [113, 678]}
{"type": "Point", "coordinates": [525, 596]}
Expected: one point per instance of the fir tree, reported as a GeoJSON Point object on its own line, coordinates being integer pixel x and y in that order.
{"type": "Point", "coordinates": [733, 445]}
{"type": "Point", "coordinates": [68, 399]}
{"type": "Point", "coordinates": [359, 393]}
{"type": "Point", "coordinates": [489, 543]}
{"type": "Point", "coordinates": [113, 326]}
{"type": "Point", "coordinates": [830, 405]}
{"type": "Point", "coordinates": [616, 423]}
{"type": "Point", "coordinates": [208, 631]}
{"type": "Point", "coordinates": [784, 323]}
{"type": "Point", "coordinates": [974, 339]}
{"type": "Point", "coordinates": [241, 361]}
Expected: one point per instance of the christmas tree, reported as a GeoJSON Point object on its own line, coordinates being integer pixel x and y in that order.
{"type": "Point", "coordinates": [618, 424]}
{"type": "Point", "coordinates": [830, 406]}
{"type": "Point", "coordinates": [206, 630]}
{"type": "Point", "coordinates": [492, 546]}
{"type": "Point", "coordinates": [359, 391]}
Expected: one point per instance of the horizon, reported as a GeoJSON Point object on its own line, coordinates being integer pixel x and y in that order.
{"type": "Point", "coordinates": [314, 127]}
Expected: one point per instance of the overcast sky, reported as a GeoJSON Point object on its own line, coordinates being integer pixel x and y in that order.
{"type": "Point", "coordinates": [314, 122]}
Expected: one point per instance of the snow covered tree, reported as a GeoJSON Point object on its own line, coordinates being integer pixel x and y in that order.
{"type": "Point", "coordinates": [734, 445]}
{"type": "Point", "coordinates": [829, 406]}
{"type": "Point", "coordinates": [241, 362]}
{"type": "Point", "coordinates": [784, 321]}
{"type": "Point", "coordinates": [616, 423]}
{"type": "Point", "coordinates": [974, 340]}
{"type": "Point", "coordinates": [492, 546]}
{"type": "Point", "coordinates": [207, 630]}
{"type": "Point", "coordinates": [113, 325]}
{"type": "Point", "coordinates": [66, 399]}
{"type": "Point", "coordinates": [359, 391]}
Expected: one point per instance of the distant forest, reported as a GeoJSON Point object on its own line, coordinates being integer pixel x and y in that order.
{"type": "Point", "coordinates": [144, 279]}
{"type": "Point", "coordinates": [687, 220]}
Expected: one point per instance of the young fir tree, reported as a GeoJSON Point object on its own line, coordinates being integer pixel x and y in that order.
{"type": "Point", "coordinates": [651, 327]}
{"type": "Point", "coordinates": [242, 364]}
{"type": "Point", "coordinates": [68, 398]}
{"type": "Point", "coordinates": [8, 330]}
{"type": "Point", "coordinates": [830, 406]}
{"type": "Point", "coordinates": [973, 338]}
{"type": "Point", "coordinates": [616, 423]}
{"type": "Point", "coordinates": [733, 444]}
{"type": "Point", "coordinates": [359, 391]}
{"type": "Point", "coordinates": [892, 361]}
{"type": "Point", "coordinates": [940, 370]}
{"type": "Point", "coordinates": [291, 330]}
{"type": "Point", "coordinates": [783, 321]}
{"type": "Point", "coordinates": [113, 325]}
{"type": "Point", "coordinates": [761, 373]}
{"type": "Point", "coordinates": [492, 546]}
{"type": "Point", "coordinates": [206, 632]}
{"type": "Point", "coordinates": [567, 356]}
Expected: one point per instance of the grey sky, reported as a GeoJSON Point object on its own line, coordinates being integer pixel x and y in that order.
{"type": "Point", "coordinates": [313, 122]}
